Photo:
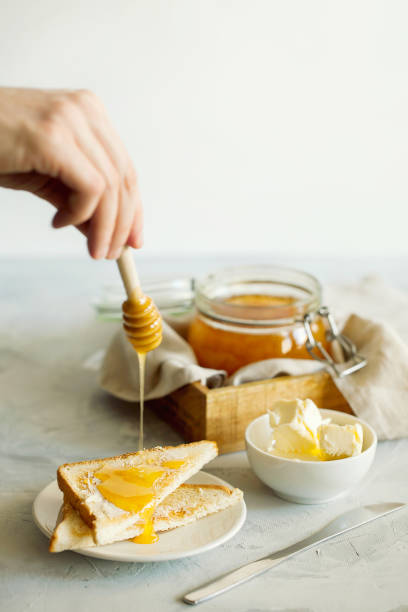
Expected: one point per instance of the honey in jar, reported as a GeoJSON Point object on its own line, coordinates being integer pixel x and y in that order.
{"type": "Point", "coordinates": [252, 313]}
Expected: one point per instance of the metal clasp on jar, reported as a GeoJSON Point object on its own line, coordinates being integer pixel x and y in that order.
{"type": "Point", "coordinates": [351, 362]}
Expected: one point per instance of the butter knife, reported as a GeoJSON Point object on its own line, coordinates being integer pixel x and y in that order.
{"type": "Point", "coordinates": [344, 522]}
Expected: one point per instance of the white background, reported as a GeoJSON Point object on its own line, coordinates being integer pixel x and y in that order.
{"type": "Point", "coordinates": [277, 126]}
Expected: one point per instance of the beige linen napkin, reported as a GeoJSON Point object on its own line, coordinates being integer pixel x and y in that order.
{"type": "Point", "coordinates": [169, 367]}
{"type": "Point", "coordinates": [378, 393]}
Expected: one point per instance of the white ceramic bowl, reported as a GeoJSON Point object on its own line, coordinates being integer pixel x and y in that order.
{"type": "Point", "coordinates": [308, 482]}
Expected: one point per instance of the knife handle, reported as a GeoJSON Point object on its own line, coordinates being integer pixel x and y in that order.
{"type": "Point", "coordinates": [231, 580]}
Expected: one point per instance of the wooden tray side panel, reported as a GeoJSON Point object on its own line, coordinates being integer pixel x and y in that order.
{"type": "Point", "coordinates": [222, 415]}
{"type": "Point", "coordinates": [185, 409]}
{"type": "Point", "coordinates": [231, 409]}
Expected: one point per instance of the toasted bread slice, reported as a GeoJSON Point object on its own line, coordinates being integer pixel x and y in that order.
{"type": "Point", "coordinates": [81, 485]}
{"type": "Point", "coordinates": [185, 505]}
{"type": "Point", "coordinates": [191, 502]}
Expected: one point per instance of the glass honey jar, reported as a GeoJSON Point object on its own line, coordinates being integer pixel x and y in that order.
{"type": "Point", "coordinates": [251, 313]}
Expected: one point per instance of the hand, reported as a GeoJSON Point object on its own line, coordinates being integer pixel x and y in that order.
{"type": "Point", "coordinates": [61, 146]}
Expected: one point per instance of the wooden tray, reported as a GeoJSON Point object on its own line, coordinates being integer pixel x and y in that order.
{"type": "Point", "coordinates": [222, 415]}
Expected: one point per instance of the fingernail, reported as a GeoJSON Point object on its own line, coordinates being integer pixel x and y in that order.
{"type": "Point", "coordinates": [61, 219]}
{"type": "Point", "coordinates": [115, 254]}
{"type": "Point", "coordinates": [100, 252]}
{"type": "Point", "coordinates": [139, 240]}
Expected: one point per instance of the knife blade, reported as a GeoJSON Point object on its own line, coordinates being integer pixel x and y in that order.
{"type": "Point", "coordinates": [343, 523]}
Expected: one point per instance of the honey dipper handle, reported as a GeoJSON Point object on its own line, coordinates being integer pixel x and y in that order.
{"type": "Point", "coordinates": [128, 272]}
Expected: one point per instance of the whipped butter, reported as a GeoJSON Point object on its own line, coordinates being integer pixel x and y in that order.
{"type": "Point", "coordinates": [298, 431]}
{"type": "Point", "coordinates": [339, 441]}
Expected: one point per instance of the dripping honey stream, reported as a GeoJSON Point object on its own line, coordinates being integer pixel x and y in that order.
{"type": "Point", "coordinates": [133, 490]}
{"type": "Point", "coordinates": [142, 369]}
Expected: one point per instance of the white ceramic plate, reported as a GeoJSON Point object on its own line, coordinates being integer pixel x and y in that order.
{"type": "Point", "coordinates": [203, 535]}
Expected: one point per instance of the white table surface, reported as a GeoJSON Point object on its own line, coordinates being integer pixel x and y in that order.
{"type": "Point", "coordinates": [52, 412]}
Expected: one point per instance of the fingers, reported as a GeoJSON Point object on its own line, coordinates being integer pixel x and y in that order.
{"type": "Point", "coordinates": [122, 227]}
{"type": "Point", "coordinates": [101, 226]}
{"type": "Point", "coordinates": [100, 142]}
{"type": "Point", "coordinates": [86, 185]}
{"type": "Point", "coordinates": [80, 148]}
{"type": "Point", "coordinates": [135, 238]}
{"type": "Point", "coordinates": [129, 227]}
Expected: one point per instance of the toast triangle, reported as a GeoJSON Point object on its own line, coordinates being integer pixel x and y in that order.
{"type": "Point", "coordinates": [107, 521]}
{"type": "Point", "coordinates": [185, 505]}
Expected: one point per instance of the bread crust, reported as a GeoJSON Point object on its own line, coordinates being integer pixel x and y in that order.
{"type": "Point", "coordinates": [71, 497]}
{"type": "Point", "coordinates": [187, 485]}
{"type": "Point", "coordinates": [126, 455]}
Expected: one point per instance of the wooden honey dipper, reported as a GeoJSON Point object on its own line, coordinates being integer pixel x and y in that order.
{"type": "Point", "coordinates": [142, 321]}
